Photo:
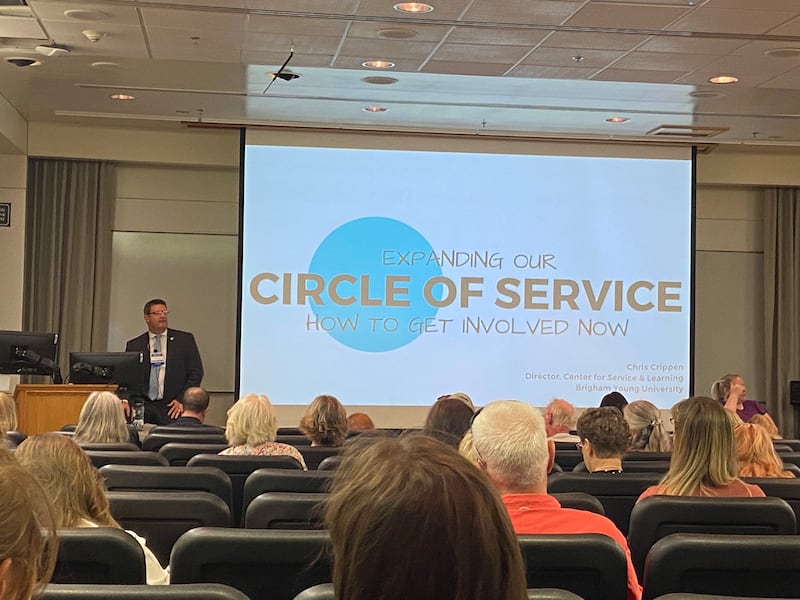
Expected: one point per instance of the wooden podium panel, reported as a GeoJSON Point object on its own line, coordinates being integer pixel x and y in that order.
{"type": "Point", "coordinates": [48, 407]}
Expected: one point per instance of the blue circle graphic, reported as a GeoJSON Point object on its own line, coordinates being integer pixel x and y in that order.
{"type": "Point", "coordinates": [370, 249]}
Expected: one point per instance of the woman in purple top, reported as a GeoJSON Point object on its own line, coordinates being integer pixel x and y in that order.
{"type": "Point", "coordinates": [730, 391]}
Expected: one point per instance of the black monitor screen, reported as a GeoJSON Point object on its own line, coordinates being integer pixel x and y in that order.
{"type": "Point", "coordinates": [28, 353]}
{"type": "Point", "coordinates": [121, 368]}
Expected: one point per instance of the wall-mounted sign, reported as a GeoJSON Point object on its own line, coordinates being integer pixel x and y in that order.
{"type": "Point", "coordinates": [5, 214]}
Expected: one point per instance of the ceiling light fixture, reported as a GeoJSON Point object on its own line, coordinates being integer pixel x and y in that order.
{"type": "Point", "coordinates": [375, 109]}
{"type": "Point", "coordinates": [93, 36]}
{"type": "Point", "coordinates": [782, 52]}
{"type": "Point", "coordinates": [23, 61]}
{"type": "Point", "coordinates": [617, 119]}
{"type": "Point", "coordinates": [397, 34]}
{"type": "Point", "coordinates": [723, 79]}
{"type": "Point", "coordinates": [122, 97]}
{"type": "Point", "coordinates": [52, 50]}
{"type": "Point", "coordinates": [379, 80]}
{"type": "Point", "coordinates": [378, 64]}
{"type": "Point", "coordinates": [85, 14]}
{"type": "Point", "coordinates": [413, 7]}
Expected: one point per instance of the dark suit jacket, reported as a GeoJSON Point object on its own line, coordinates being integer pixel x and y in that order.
{"type": "Point", "coordinates": [184, 367]}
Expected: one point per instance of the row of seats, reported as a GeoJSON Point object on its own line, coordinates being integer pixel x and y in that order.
{"type": "Point", "coordinates": [279, 565]}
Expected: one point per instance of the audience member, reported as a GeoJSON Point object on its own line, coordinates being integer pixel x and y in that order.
{"type": "Point", "coordinates": [448, 420]}
{"type": "Point", "coordinates": [756, 453]}
{"type": "Point", "coordinates": [559, 420]}
{"type": "Point", "coordinates": [102, 421]}
{"type": "Point", "coordinates": [195, 402]}
{"type": "Point", "coordinates": [251, 430]}
{"type": "Point", "coordinates": [647, 428]}
{"type": "Point", "coordinates": [703, 459]}
{"type": "Point", "coordinates": [325, 422]}
{"type": "Point", "coordinates": [615, 399]}
{"type": "Point", "coordinates": [8, 416]}
{"type": "Point", "coordinates": [767, 423]}
{"type": "Point", "coordinates": [410, 518]}
{"type": "Point", "coordinates": [76, 489]}
{"type": "Point", "coordinates": [358, 422]}
{"type": "Point", "coordinates": [463, 396]}
{"type": "Point", "coordinates": [509, 443]}
{"type": "Point", "coordinates": [730, 391]}
{"type": "Point", "coordinates": [27, 533]}
{"type": "Point", "coordinates": [604, 436]}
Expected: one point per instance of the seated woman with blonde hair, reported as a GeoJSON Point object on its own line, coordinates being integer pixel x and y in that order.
{"type": "Point", "coordinates": [8, 417]}
{"type": "Point", "coordinates": [102, 421]}
{"type": "Point", "coordinates": [703, 461]}
{"type": "Point", "coordinates": [767, 423]}
{"type": "Point", "coordinates": [27, 533]}
{"type": "Point", "coordinates": [76, 490]}
{"type": "Point", "coordinates": [325, 422]}
{"type": "Point", "coordinates": [251, 430]}
{"type": "Point", "coordinates": [647, 429]}
{"type": "Point", "coordinates": [756, 453]}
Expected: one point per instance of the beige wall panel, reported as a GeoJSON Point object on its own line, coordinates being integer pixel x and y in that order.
{"type": "Point", "coordinates": [13, 129]}
{"type": "Point", "coordinates": [165, 147]}
{"type": "Point", "coordinates": [729, 235]}
{"type": "Point", "coordinates": [201, 184]}
{"type": "Point", "coordinates": [176, 216]}
{"type": "Point", "coordinates": [749, 165]}
{"type": "Point", "coordinates": [727, 202]}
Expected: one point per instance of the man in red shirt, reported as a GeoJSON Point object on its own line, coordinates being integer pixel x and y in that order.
{"type": "Point", "coordinates": [509, 443]}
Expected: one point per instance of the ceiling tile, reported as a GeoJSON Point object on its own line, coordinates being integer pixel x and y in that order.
{"type": "Point", "coordinates": [789, 81]}
{"type": "Point", "coordinates": [640, 76]}
{"type": "Point", "coordinates": [690, 45]}
{"type": "Point", "coordinates": [480, 54]}
{"type": "Point", "coordinates": [616, 16]}
{"type": "Point", "coordinates": [598, 41]}
{"type": "Point", "coordinates": [560, 57]}
{"type": "Point", "coordinates": [295, 25]}
{"type": "Point", "coordinates": [21, 27]}
{"type": "Point", "coordinates": [388, 49]}
{"type": "Point", "coordinates": [194, 20]}
{"type": "Point", "coordinates": [120, 40]}
{"type": "Point", "coordinates": [420, 32]}
{"type": "Point", "coordinates": [721, 20]}
{"type": "Point", "coordinates": [340, 7]}
{"type": "Point", "coordinates": [55, 10]}
{"type": "Point", "coordinates": [264, 42]}
{"type": "Point", "coordinates": [212, 46]}
{"type": "Point", "coordinates": [785, 5]}
{"type": "Point", "coordinates": [791, 27]}
{"type": "Point", "coordinates": [543, 72]}
{"type": "Point", "coordinates": [443, 9]}
{"type": "Point", "coordinates": [498, 37]}
{"type": "Point", "coordinates": [664, 61]}
{"type": "Point", "coordinates": [465, 68]}
{"type": "Point", "coordinates": [276, 59]}
{"type": "Point", "coordinates": [535, 12]}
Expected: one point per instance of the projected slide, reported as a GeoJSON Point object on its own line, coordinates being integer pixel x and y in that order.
{"type": "Point", "coordinates": [391, 277]}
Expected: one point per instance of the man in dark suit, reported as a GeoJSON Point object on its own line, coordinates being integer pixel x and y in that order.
{"type": "Point", "coordinates": [172, 364]}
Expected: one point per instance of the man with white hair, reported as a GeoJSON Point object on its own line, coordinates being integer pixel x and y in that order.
{"type": "Point", "coordinates": [559, 420]}
{"type": "Point", "coordinates": [509, 443]}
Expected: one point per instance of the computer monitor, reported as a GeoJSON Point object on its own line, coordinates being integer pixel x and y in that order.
{"type": "Point", "coordinates": [29, 353]}
{"type": "Point", "coordinates": [121, 368]}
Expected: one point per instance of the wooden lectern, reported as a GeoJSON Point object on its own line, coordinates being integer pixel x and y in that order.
{"type": "Point", "coordinates": [48, 407]}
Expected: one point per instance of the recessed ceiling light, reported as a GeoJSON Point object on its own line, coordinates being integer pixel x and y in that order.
{"type": "Point", "coordinates": [105, 65]}
{"type": "Point", "coordinates": [378, 64]}
{"type": "Point", "coordinates": [375, 109]}
{"type": "Point", "coordinates": [617, 119]}
{"type": "Point", "coordinates": [85, 14]}
{"type": "Point", "coordinates": [378, 80]}
{"type": "Point", "coordinates": [23, 62]}
{"type": "Point", "coordinates": [783, 52]}
{"type": "Point", "coordinates": [705, 94]}
{"type": "Point", "coordinates": [723, 79]}
{"type": "Point", "coordinates": [397, 33]}
{"type": "Point", "coordinates": [122, 97]}
{"type": "Point", "coordinates": [413, 7]}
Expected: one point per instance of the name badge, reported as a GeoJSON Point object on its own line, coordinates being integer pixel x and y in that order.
{"type": "Point", "coordinates": [156, 359]}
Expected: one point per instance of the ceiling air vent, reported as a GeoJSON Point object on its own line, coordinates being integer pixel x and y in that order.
{"type": "Point", "coordinates": [686, 131]}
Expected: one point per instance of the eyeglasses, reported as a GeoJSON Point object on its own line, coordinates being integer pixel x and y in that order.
{"type": "Point", "coordinates": [474, 447]}
{"type": "Point", "coordinates": [159, 313]}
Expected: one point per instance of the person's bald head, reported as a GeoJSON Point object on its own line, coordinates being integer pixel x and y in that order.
{"type": "Point", "coordinates": [195, 401]}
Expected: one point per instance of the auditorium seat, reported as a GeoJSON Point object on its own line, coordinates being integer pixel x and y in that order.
{"type": "Point", "coordinates": [188, 430]}
{"type": "Point", "coordinates": [313, 455]}
{"type": "Point", "coordinates": [238, 468]}
{"type": "Point", "coordinates": [262, 481]}
{"type": "Point", "coordinates": [658, 516]}
{"type": "Point", "coordinates": [793, 444]}
{"type": "Point", "coordinates": [790, 457]}
{"type": "Point", "coordinates": [15, 438]}
{"type": "Point", "coordinates": [591, 565]}
{"type": "Point", "coordinates": [100, 458]}
{"type": "Point", "coordinates": [741, 566]}
{"type": "Point", "coordinates": [616, 492]}
{"type": "Point", "coordinates": [331, 463]}
{"type": "Point", "coordinates": [285, 510]}
{"type": "Point", "coordinates": [662, 456]}
{"type": "Point", "coordinates": [121, 478]}
{"type": "Point", "coordinates": [289, 431]}
{"type": "Point", "coordinates": [787, 489]}
{"type": "Point", "coordinates": [178, 454]}
{"type": "Point", "coordinates": [293, 440]}
{"type": "Point", "coordinates": [162, 517]}
{"type": "Point", "coordinates": [580, 501]}
{"type": "Point", "coordinates": [188, 591]}
{"type": "Point", "coordinates": [112, 447]}
{"type": "Point", "coordinates": [324, 591]}
{"type": "Point", "coordinates": [567, 455]}
{"type": "Point", "coordinates": [99, 555]}
{"type": "Point", "coordinates": [634, 466]}
{"type": "Point", "coordinates": [155, 440]}
{"type": "Point", "coordinates": [264, 564]}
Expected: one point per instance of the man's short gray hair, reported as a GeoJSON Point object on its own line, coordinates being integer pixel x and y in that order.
{"type": "Point", "coordinates": [509, 437]}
